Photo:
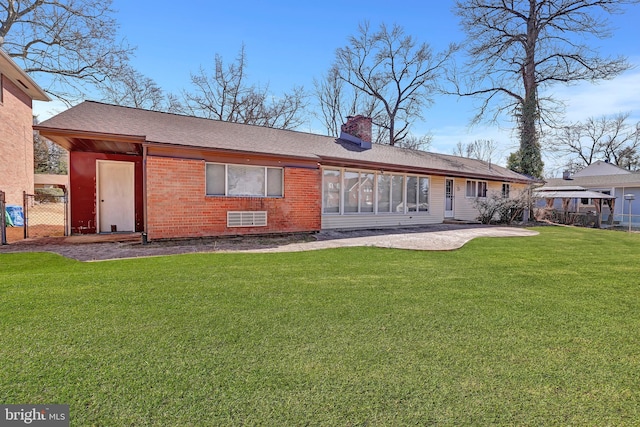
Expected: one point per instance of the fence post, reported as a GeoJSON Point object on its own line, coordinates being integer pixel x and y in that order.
{"type": "Point", "coordinates": [66, 211]}
{"type": "Point", "coordinates": [25, 213]}
{"type": "Point", "coordinates": [3, 220]}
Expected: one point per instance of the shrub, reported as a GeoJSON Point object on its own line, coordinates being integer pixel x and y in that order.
{"type": "Point", "coordinates": [496, 209]}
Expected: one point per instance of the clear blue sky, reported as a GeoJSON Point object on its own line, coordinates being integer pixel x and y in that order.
{"type": "Point", "coordinates": [290, 43]}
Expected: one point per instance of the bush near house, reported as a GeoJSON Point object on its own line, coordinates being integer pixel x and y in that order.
{"type": "Point", "coordinates": [497, 209]}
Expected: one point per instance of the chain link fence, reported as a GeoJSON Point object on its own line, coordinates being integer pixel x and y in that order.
{"type": "Point", "coordinates": [45, 214]}
{"type": "Point", "coordinates": [3, 219]}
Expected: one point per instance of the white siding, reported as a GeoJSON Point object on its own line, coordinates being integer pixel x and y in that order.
{"type": "Point", "coordinates": [372, 221]}
{"type": "Point", "coordinates": [464, 209]}
{"type": "Point", "coordinates": [436, 198]}
{"type": "Point", "coordinates": [464, 206]}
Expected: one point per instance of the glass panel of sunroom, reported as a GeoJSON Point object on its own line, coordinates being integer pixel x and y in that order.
{"type": "Point", "coordinates": [351, 191]}
{"type": "Point", "coordinates": [366, 192]}
{"type": "Point", "coordinates": [412, 192]}
{"type": "Point", "coordinates": [397, 194]}
{"type": "Point", "coordinates": [331, 191]}
{"type": "Point", "coordinates": [423, 194]}
{"type": "Point", "coordinates": [384, 193]}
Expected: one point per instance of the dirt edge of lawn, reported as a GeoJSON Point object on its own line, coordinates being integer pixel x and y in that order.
{"type": "Point", "coordinates": [440, 237]}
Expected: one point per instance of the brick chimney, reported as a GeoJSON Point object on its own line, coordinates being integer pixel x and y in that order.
{"type": "Point", "coordinates": [357, 130]}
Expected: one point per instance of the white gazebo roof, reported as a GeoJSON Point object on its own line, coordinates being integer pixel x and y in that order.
{"type": "Point", "coordinates": [569, 192]}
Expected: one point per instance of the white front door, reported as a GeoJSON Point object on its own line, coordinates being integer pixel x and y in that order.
{"type": "Point", "coordinates": [116, 196]}
{"type": "Point", "coordinates": [448, 198]}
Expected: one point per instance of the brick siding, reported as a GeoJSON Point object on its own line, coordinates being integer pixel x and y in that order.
{"type": "Point", "coordinates": [358, 126]}
{"type": "Point", "coordinates": [16, 143]}
{"type": "Point", "coordinates": [178, 207]}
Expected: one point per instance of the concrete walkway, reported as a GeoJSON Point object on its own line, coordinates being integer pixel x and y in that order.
{"type": "Point", "coordinates": [445, 240]}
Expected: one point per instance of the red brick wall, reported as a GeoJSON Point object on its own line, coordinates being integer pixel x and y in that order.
{"type": "Point", "coordinates": [178, 207]}
{"type": "Point", "coordinates": [16, 143]}
{"type": "Point", "coordinates": [358, 126]}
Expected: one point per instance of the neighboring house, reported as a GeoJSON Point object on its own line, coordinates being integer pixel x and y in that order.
{"type": "Point", "coordinates": [17, 93]}
{"type": "Point", "coordinates": [609, 179]}
{"type": "Point", "coordinates": [175, 176]}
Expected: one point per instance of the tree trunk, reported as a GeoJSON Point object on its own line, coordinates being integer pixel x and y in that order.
{"type": "Point", "coordinates": [530, 158]}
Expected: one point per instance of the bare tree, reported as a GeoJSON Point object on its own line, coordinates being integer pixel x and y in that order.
{"type": "Point", "coordinates": [610, 138]}
{"type": "Point", "coordinates": [518, 48]}
{"type": "Point", "coordinates": [415, 142]}
{"type": "Point", "coordinates": [338, 100]}
{"type": "Point", "coordinates": [391, 68]}
{"type": "Point", "coordinates": [329, 91]}
{"type": "Point", "coordinates": [71, 42]}
{"type": "Point", "coordinates": [629, 159]}
{"type": "Point", "coordinates": [226, 95]}
{"type": "Point", "coordinates": [48, 157]}
{"type": "Point", "coordinates": [481, 149]}
{"type": "Point", "coordinates": [133, 89]}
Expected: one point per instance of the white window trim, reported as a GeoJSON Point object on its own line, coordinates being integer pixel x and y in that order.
{"type": "Point", "coordinates": [475, 185]}
{"type": "Point", "coordinates": [508, 186]}
{"type": "Point", "coordinates": [226, 181]}
{"type": "Point", "coordinates": [375, 192]}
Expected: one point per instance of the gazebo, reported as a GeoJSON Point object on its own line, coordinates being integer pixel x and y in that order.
{"type": "Point", "coordinates": [567, 194]}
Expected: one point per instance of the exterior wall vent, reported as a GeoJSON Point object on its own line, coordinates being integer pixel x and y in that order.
{"type": "Point", "coordinates": [246, 219]}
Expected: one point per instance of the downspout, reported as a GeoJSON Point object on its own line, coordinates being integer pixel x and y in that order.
{"type": "Point", "coordinates": [144, 194]}
{"type": "Point", "coordinates": [622, 210]}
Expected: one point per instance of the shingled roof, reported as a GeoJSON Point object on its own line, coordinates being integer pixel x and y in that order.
{"type": "Point", "coordinates": [605, 181]}
{"type": "Point", "coordinates": [153, 127]}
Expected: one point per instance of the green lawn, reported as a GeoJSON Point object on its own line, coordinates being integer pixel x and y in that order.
{"type": "Point", "coordinates": [517, 331]}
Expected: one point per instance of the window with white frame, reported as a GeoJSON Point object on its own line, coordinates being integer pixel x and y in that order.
{"type": "Point", "coordinates": [358, 194]}
{"type": "Point", "coordinates": [384, 193]}
{"type": "Point", "coordinates": [243, 181]}
{"type": "Point", "coordinates": [366, 192]}
{"type": "Point", "coordinates": [331, 191]}
{"type": "Point", "coordinates": [351, 195]}
{"type": "Point", "coordinates": [367, 185]}
{"type": "Point", "coordinates": [423, 194]}
{"type": "Point", "coordinates": [397, 193]}
{"type": "Point", "coordinates": [417, 194]}
{"type": "Point", "coordinates": [506, 190]}
{"type": "Point", "coordinates": [476, 188]}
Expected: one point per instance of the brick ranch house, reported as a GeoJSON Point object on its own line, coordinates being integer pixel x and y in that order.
{"type": "Point", "coordinates": [175, 176]}
{"type": "Point", "coordinates": [17, 93]}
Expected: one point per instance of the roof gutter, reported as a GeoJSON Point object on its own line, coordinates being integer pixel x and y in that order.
{"type": "Point", "coordinates": [57, 132]}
